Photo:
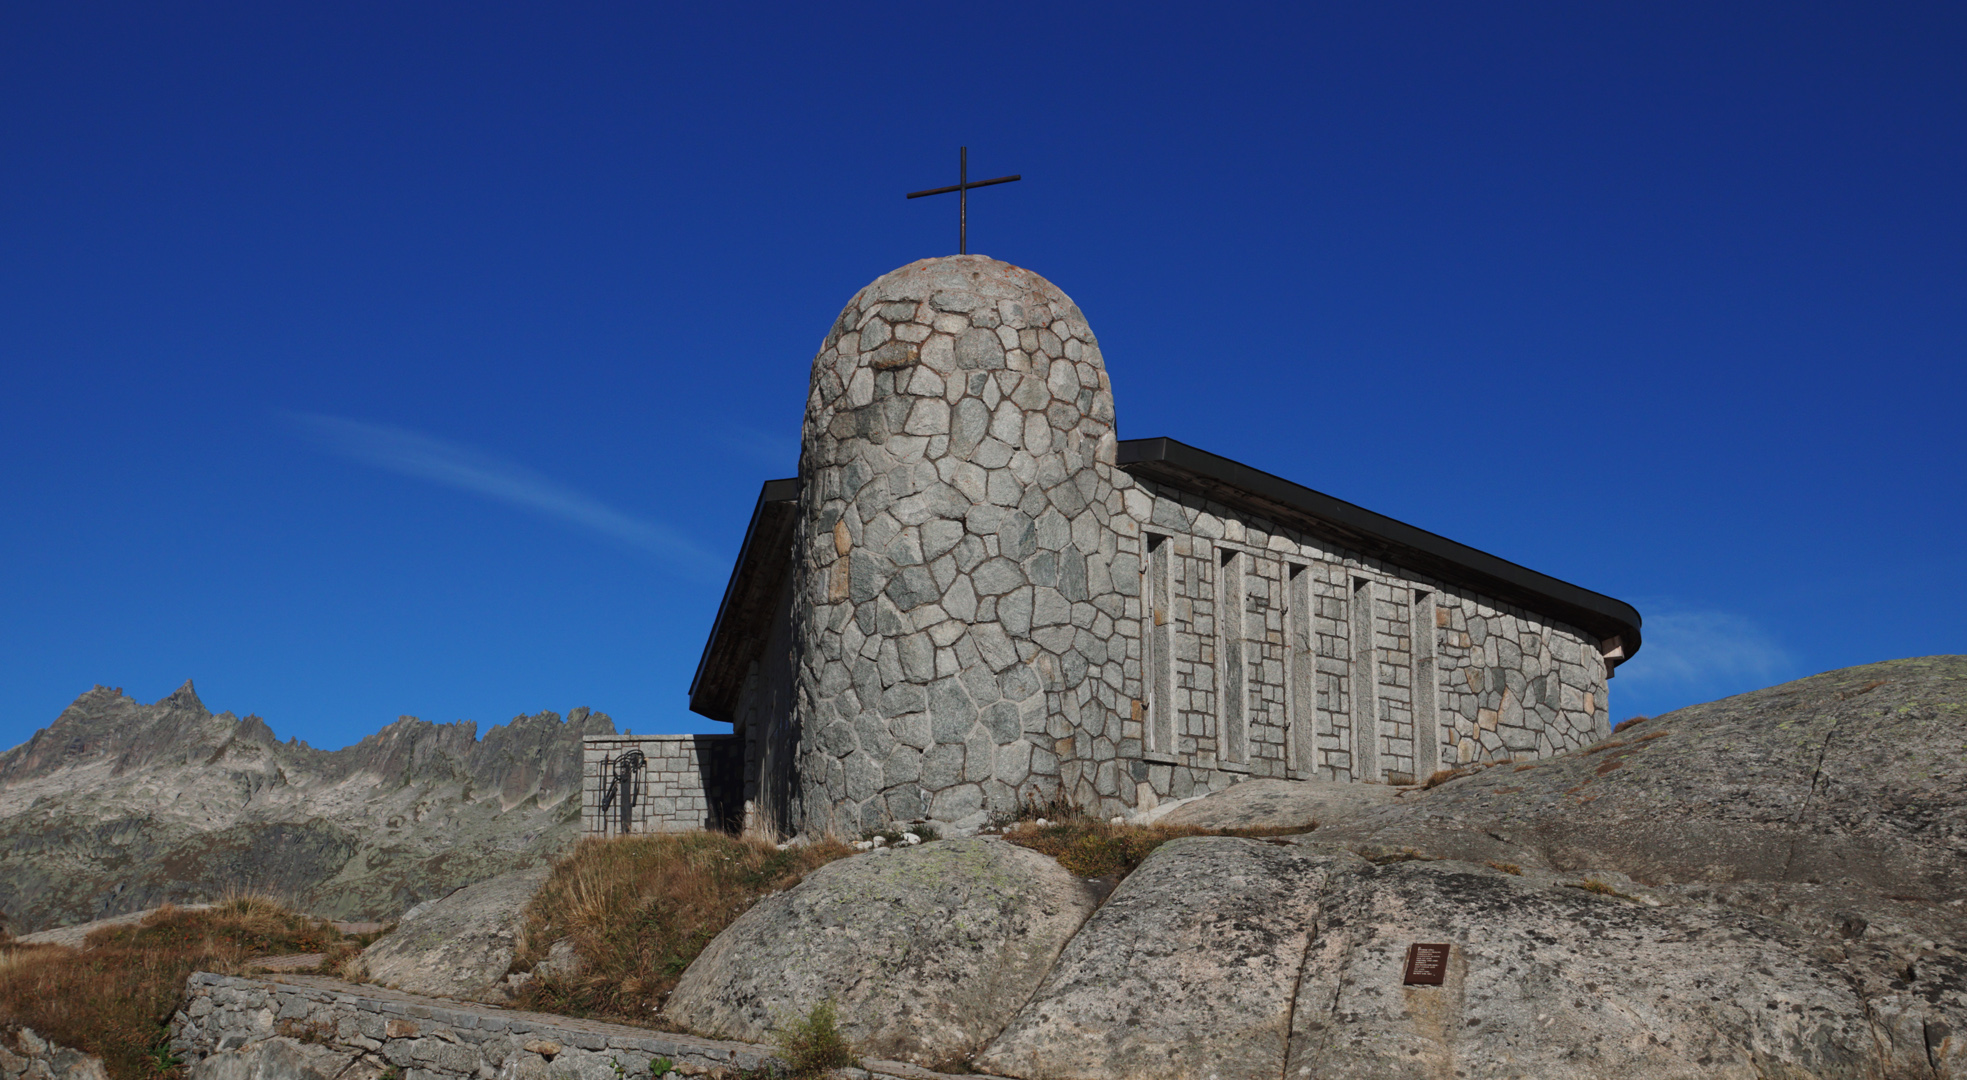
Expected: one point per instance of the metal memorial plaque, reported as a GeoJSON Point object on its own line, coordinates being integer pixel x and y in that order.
{"type": "Point", "coordinates": [1427, 965]}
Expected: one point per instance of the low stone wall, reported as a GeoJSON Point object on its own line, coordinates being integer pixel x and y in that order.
{"type": "Point", "coordinates": [687, 782]}
{"type": "Point", "coordinates": [27, 1056]}
{"type": "Point", "coordinates": [305, 1027]}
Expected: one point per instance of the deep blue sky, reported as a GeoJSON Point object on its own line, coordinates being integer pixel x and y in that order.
{"type": "Point", "coordinates": [365, 360]}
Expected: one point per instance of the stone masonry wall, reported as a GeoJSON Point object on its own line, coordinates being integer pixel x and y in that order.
{"type": "Point", "coordinates": [1515, 684]}
{"type": "Point", "coordinates": [1500, 682]}
{"type": "Point", "coordinates": [690, 782]}
{"type": "Point", "coordinates": [299, 1026]}
{"type": "Point", "coordinates": [958, 612]}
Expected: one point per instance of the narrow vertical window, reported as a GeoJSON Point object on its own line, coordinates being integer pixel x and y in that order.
{"type": "Point", "coordinates": [1157, 619]}
{"type": "Point", "coordinates": [1365, 684]}
{"type": "Point", "coordinates": [1229, 651]}
{"type": "Point", "coordinates": [1427, 689]}
{"type": "Point", "coordinates": [1300, 749]}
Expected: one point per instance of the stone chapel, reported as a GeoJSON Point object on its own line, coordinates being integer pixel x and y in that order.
{"type": "Point", "coordinates": [974, 593]}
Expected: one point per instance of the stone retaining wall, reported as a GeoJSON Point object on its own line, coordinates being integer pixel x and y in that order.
{"type": "Point", "coordinates": [27, 1056]}
{"type": "Point", "coordinates": [291, 1026]}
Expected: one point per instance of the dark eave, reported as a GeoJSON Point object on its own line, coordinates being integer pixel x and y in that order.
{"type": "Point", "coordinates": [1183, 467]}
{"type": "Point", "coordinates": [744, 618]}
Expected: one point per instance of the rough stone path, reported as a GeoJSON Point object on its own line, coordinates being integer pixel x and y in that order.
{"type": "Point", "coordinates": [290, 962]}
{"type": "Point", "coordinates": [234, 1026]}
{"type": "Point", "coordinates": [72, 936]}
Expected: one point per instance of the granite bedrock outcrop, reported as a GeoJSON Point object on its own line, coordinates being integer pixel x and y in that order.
{"type": "Point", "coordinates": [1665, 954]}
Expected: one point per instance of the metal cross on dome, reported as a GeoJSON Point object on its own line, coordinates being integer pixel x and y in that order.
{"type": "Point", "coordinates": [962, 188]}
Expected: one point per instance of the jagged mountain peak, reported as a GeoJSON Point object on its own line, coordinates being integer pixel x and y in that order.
{"type": "Point", "coordinates": [184, 697]}
{"type": "Point", "coordinates": [170, 802]}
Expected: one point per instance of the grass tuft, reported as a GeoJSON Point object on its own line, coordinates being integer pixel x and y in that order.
{"type": "Point", "coordinates": [638, 910]}
{"type": "Point", "coordinates": [1035, 807]}
{"type": "Point", "coordinates": [114, 997]}
{"type": "Point", "coordinates": [813, 1046]}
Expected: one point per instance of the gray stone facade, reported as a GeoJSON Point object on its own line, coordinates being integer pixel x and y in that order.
{"type": "Point", "coordinates": [686, 782]}
{"type": "Point", "coordinates": [985, 604]}
{"type": "Point", "coordinates": [1333, 660]}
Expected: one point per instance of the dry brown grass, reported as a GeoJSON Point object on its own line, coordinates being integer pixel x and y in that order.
{"type": "Point", "coordinates": [1093, 848]}
{"type": "Point", "coordinates": [114, 997]}
{"type": "Point", "coordinates": [638, 909]}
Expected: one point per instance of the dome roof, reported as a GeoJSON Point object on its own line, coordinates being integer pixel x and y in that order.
{"type": "Point", "coordinates": [959, 314]}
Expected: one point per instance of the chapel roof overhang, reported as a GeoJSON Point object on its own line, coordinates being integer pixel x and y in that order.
{"type": "Point", "coordinates": [751, 598]}
{"type": "Point", "coordinates": [1234, 484]}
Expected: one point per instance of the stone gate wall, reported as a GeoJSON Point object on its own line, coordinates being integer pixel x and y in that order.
{"type": "Point", "coordinates": [689, 782]}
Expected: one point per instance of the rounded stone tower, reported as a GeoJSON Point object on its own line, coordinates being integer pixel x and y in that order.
{"type": "Point", "coordinates": [960, 639]}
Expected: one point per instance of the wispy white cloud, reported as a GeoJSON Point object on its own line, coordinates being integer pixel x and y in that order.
{"type": "Point", "coordinates": [426, 457]}
{"type": "Point", "coordinates": [1692, 655]}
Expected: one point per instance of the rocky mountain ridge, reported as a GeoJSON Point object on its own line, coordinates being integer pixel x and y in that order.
{"type": "Point", "coordinates": [118, 806]}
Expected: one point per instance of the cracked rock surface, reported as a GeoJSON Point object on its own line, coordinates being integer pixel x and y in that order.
{"type": "Point", "coordinates": [925, 952]}
{"type": "Point", "coordinates": [459, 946]}
{"type": "Point", "coordinates": [1188, 970]}
{"type": "Point", "coordinates": [1765, 886]}
{"type": "Point", "coordinates": [1548, 980]}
